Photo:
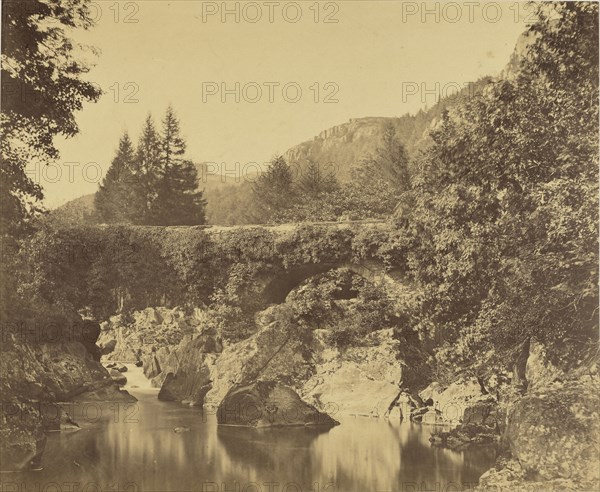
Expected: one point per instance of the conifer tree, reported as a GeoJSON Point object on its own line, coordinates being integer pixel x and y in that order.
{"type": "Point", "coordinates": [177, 200]}
{"type": "Point", "coordinates": [147, 172]}
{"type": "Point", "coordinates": [113, 199]}
{"type": "Point", "coordinates": [316, 181]}
{"type": "Point", "coordinates": [273, 190]}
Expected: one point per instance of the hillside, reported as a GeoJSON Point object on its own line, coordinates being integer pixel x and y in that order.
{"type": "Point", "coordinates": [345, 146]}
{"type": "Point", "coordinates": [79, 210]}
{"type": "Point", "coordinates": [341, 148]}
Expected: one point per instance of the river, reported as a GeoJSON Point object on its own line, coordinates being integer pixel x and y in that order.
{"type": "Point", "coordinates": [160, 446]}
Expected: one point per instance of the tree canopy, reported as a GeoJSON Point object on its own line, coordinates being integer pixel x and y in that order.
{"type": "Point", "coordinates": [155, 184]}
{"type": "Point", "coordinates": [42, 90]}
{"type": "Point", "coordinates": [504, 217]}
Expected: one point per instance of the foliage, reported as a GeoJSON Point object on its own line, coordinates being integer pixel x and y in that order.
{"type": "Point", "coordinates": [113, 199]}
{"type": "Point", "coordinates": [154, 185]}
{"type": "Point", "coordinates": [377, 185]}
{"type": "Point", "coordinates": [42, 90]}
{"type": "Point", "coordinates": [273, 189]}
{"type": "Point", "coordinates": [503, 214]}
{"type": "Point", "coordinates": [348, 306]}
{"type": "Point", "coordinates": [105, 269]}
{"type": "Point", "coordinates": [315, 182]}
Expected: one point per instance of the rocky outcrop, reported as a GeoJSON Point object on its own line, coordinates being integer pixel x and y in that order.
{"type": "Point", "coordinates": [36, 376]}
{"type": "Point", "coordinates": [118, 377]}
{"type": "Point", "coordinates": [460, 402]}
{"type": "Point", "coordinates": [476, 418]}
{"type": "Point", "coordinates": [464, 436]}
{"type": "Point", "coordinates": [358, 381]}
{"type": "Point", "coordinates": [55, 372]}
{"type": "Point", "coordinates": [269, 404]}
{"type": "Point", "coordinates": [134, 337]}
{"type": "Point", "coordinates": [108, 347]}
{"type": "Point", "coordinates": [276, 352]}
{"type": "Point", "coordinates": [555, 433]}
{"type": "Point", "coordinates": [190, 381]}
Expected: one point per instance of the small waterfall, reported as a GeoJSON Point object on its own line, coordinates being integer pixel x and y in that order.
{"type": "Point", "coordinates": [136, 380]}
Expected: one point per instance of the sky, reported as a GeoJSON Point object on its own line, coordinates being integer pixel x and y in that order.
{"type": "Point", "coordinates": [300, 67]}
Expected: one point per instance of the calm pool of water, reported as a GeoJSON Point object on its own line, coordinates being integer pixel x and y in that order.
{"type": "Point", "coordinates": [133, 447]}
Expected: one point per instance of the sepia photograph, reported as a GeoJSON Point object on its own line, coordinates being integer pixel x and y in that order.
{"type": "Point", "coordinates": [299, 246]}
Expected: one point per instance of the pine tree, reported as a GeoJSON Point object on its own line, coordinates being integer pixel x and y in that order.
{"type": "Point", "coordinates": [147, 172]}
{"type": "Point", "coordinates": [316, 182]}
{"type": "Point", "coordinates": [177, 200]}
{"type": "Point", "coordinates": [113, 199]}
{"type": "Point", "coordinates": [172, 144]}
{"type": "Point", "coordinates": [390, 161]}
{"type": "Point", "coordinates": [273, 189]}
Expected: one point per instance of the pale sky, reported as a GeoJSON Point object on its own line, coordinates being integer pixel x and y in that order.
{"type": "Point", "coordinates": [375, 54]}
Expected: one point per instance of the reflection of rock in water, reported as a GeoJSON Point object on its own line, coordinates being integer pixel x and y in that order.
{"type": "Point", "coordinates": [429, 466]}
{"type": "Point", "coordinates": [271, 448]}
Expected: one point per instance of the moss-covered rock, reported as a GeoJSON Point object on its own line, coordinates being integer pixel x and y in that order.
{"type": "Point", "coordinates": [555, 433]}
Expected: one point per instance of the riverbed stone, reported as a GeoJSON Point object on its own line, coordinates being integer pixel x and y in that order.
{"type": "Point", "coordinates": [554, 432]}
{"type": "Point", "coordinates": [275, 352]}
{"type": "Point", "coordinates": [269, 404]}
{"type": "Point", "coordinates": [118, 377]}
{"type": "Point", "coordinates": [144, 332]}
{"type": "Point", "coordinates": [454, 400]}
{"type": "Point", "coordinates": [361, 381]}
{"type": "Point", "coordinates": [108, 347]}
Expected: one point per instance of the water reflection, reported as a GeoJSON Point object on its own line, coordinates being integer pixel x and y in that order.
{"type": "Point", "coordinates": [144, 453]}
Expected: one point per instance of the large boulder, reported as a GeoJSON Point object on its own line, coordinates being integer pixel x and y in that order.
{"type": "Point", "coordinates": [191, 381]}
{"type": "Point", "coordinates": [118, 377]}
{"type": "Point", "coordinates": [168, 362]}
{"type": "Point", "coordinates": [276, 352]}
{"type": "Point", "coordinates": [55, 372]}
{"type": "Point", "coordinates": [555, 433]}
{"type": "Point", "coordinates": [151, 365]}
{"type": "Point", "coordinates": [108, 347]}
{"type": "Point", "coordinates": [269, 404]}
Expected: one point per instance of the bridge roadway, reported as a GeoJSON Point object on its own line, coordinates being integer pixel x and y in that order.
{"type": "Point", "coordinates": [291, 226]}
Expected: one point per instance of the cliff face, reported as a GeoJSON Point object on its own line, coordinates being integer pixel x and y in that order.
{"type": "Point", "coordinates": [343, 147]}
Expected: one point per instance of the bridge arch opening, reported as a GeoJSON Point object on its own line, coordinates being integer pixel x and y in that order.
{"type": "Point", "coordinates": [279, 287]}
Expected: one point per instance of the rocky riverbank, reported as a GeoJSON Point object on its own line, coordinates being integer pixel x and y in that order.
{"type": "Point", "coordinates": [149, 337]}
{"type": "Point", "coordinates": [38, 377]}
{"type": "Point", "coordinates": [556, 422]}
{"type": "Point", "coordinates": [358, 381]}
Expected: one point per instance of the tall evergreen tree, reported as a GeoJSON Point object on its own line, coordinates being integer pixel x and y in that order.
{"type": "Point", "coordinates": [114, 199]}
{"type": "Point", "coordinates": [172, 144]}
{"type": "Point", "coordinates": [147, 172]}
{"type": "Point", "coordinates": [390, 162]}
{"type": "Point", "coordinates": [177, 200]}
{"type": "Point", "coordinates": [273, 189]}
{"type": "Point", "coordinates": [315, 181]}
